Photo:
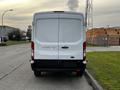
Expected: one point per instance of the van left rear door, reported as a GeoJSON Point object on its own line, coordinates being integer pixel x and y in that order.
{"type": "Point", "coordinates": [46, 39]}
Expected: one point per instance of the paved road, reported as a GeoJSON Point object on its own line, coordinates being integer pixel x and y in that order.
{"type": "Point", "coordinates": [16, 74]}
{"type": "Point", "coordinates": [111, 48]}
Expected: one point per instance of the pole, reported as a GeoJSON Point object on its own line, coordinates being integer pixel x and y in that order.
{"type": "Point", "coordinates": [2, 21]}
{"type": "Point", "coordinates": [86, 14]}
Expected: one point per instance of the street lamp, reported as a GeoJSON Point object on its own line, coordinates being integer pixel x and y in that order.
{"type": "Point", "coordinates": [4, 14]}
{"type": "Point", "coordinates": [3, 18]}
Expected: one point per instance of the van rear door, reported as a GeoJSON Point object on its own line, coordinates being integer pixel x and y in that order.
{"type": "Point", "coordinates": [46, 38]}
{"type": "Point", "coordinates": [70, 39]}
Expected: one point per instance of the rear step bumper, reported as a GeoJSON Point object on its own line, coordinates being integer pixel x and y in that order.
{"type": "Point", "coordinates": [57, 65]}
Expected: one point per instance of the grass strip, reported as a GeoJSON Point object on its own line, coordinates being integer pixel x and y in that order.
{"type": "Point", "coordinates": [105, 67]}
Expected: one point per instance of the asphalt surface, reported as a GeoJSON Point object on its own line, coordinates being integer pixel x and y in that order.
{"type": "Point", "coordinates": [16, 73]}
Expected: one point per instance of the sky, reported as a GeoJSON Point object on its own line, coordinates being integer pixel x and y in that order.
{"type": "Point", "coordinates": [105, 12]}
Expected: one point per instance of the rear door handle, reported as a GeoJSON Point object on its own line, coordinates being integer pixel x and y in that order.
{"type": "Point", "coordinates": [65, 47]}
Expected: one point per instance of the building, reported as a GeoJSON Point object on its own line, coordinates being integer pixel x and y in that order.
{"type": "Point", "coordinates": [104, 36]}
{"type": "Point", "coordinates": [5, 30]}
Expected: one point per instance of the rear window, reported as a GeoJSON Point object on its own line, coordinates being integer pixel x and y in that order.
{"type": "Point", "coordinates": [64, 30]}
{"type": "Point", "coordinates": [70, 30]}
{"type": "Point", "coordinates": [47, 30]}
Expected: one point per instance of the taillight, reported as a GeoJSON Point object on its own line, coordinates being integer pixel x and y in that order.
{"type": "Point", "coordinates": [84, 46]}
{"type": "Point", "coordinates": [32, 50]}
{"type": "Point", "coordinates": [32, 45]}
{"type": "Point", "coordinates": [84, 50]}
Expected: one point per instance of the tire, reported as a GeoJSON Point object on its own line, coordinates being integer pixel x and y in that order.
{"type": "Point", "coordinates": [37, 73]}
{"type": "Point", "coordinates": [78, 74]}
{"type": "Point", "coordinates": [81, 72]}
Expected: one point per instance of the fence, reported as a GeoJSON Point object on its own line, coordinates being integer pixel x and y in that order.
{"type": "Point", "coordinates": [105, 40]}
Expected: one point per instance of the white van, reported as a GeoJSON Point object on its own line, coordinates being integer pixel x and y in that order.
{"type": "Point", "coordinates": [58, 42]}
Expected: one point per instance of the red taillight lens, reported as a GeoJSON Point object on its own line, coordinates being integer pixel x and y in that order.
{"type": "Point", "coordinates": [32, 50]}
{"type": "Point", "coordinates": [84, 50]}
{"type": "Point", "coordinates": [84, 46]}
{"type": "Point", "coordinates": [32, 45]}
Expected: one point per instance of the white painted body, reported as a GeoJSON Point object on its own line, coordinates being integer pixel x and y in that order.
{"type": "Point", "coordinates": [54, 30]}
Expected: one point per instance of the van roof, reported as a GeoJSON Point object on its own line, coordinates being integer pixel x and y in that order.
{"type": "Point", "coordinates": [65, 12]}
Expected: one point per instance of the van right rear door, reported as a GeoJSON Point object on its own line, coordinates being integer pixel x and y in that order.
{"type": "Point", "coordinates": [70, 38]}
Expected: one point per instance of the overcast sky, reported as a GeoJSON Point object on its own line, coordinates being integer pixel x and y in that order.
{"type": "Point", "coordinates": [106, 12]}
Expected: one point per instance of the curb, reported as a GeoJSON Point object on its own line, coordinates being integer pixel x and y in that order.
{"type": "Point", "coordinates": [92, 81]}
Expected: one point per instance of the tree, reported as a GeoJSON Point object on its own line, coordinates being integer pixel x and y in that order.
{"type": "Point", "coordinates": [29, 32]}
{"type": "Point", "coordinates": [15, 35]}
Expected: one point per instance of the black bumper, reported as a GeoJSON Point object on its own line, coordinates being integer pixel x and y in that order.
{"type": "Point", "coordinates": [57, 65]}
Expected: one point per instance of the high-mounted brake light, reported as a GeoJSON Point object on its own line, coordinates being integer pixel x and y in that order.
{"type": "Point", "coordinates": [32, 50]}
{"type": "Point", "coordinates": [58, 11]}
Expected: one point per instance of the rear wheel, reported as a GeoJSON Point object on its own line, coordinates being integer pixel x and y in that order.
{"type": "Point", "coordinates": [81, 72]}
{"type": "Point", "coordinates": [78, 73]}
{"type": "Point", "coordinates": [37, 73]}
